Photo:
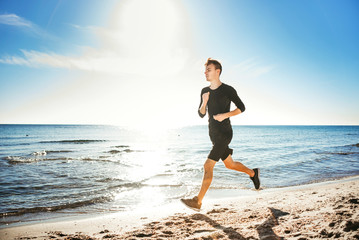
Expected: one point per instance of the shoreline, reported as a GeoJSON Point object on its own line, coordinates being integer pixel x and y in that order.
{"type": "Point", "coordinates": [218, 214]}
{"type": "Point", "coordinates": [212, 195]}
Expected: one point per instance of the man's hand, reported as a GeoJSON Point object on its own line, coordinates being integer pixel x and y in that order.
{"type": "Point", "coordinates": [203, 108]}
{"type": "Point", "coordinates": [205, 97]}
{"type": "Point", "coordinates": [220, 117]}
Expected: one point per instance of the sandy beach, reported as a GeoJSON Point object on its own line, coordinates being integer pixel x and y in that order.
{"type": "Point", "coordinates": [322, 210]}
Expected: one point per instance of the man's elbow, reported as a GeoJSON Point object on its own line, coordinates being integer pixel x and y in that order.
{"type": "Point", "coordinates": [241, 110]}
{"type": "Point", "coordinates": [201, 114]}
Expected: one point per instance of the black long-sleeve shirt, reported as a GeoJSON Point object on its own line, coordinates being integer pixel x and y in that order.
{"type": "Point", "coordinates": [220, 102]}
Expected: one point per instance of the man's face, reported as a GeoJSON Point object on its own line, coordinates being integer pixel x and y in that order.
{"type": "Point", "coordinates": [211, 72]}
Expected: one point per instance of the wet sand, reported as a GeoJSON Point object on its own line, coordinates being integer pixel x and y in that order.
{"type": "Point", "coordinates": [326, 210]}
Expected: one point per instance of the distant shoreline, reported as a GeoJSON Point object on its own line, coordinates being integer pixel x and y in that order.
{"type": "Point", "coordinates": [245, 125]}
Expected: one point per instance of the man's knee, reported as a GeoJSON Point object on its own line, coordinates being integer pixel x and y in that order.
{"type": "Point", "coordinates": [209, 165]}
{"type": "Point", "coordinates": [228, 162]}
{"type": "Point", "coordinates": [229, 165]}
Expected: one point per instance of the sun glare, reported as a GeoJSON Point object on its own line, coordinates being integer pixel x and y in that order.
{"type": "Point", "coordinates": [146, 34]}
{"type": "Point", "coordinates": [148, 38]}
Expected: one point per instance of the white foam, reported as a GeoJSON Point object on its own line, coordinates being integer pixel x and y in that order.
{"type": "Point", "coordinates": [40, 153]}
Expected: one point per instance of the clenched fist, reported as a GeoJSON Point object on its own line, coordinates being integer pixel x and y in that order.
{"type": "Point", "coordinates": [205, 97]}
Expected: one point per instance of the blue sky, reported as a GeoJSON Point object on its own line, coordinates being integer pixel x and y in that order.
{"type": "Point", "coordinates": [135, 62]}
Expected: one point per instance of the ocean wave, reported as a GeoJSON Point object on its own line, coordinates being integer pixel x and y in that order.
{"type": "Point", "coordinates": [162, 185]}
{"type": "Point", "coordinates": [342, 150]}
{"type": "Point", "coordinates": [88, 159]}
{"type": "Point", "coordinates": [351, 145]}
{"type": "Point", "coordinates": [337, 153]}
{"type": "Point", "coordinates": [15, 144]}
{"type": "Point", "coordinates": [7, 137]}
{"type": "Point", "coordinates": [40, 153]}
{"type": "Point", "coordinates": [38, 157]}
{"type": "Point", "coordinates": [130, 185]}
{"type": "Point", "coordinates": [20, 160]}
{"type": "Point", "coordinates": [17, 159]}
{"type": "Point", "coordinates": [342, 153]}
{"type": "Point", "coordinates": [102, 160]}
{"type": "Point", "coordinates": [105, 180]}
{"type": "Point", "coordinates": [164, 175]}
{"type": "Point", "coordinates": [80, 141]}
{"type": "Point", "coordinates": [23, 211]}
{"type": "Point", "coordinates": [29, 189]}
{"type": "Point", "coordinates": [44, 153]}
{"type": "Point", "coordinates": [127, 150]}
{"type": "Point", "coordinates": [59, 151]}
{"type": "Point", "coordinates": [121, 146]}
{"type": "Point", "coordinates": [114, 151]}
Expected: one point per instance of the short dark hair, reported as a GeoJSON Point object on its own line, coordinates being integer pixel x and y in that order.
{"type": "Point", "coordinates": [217, 65]}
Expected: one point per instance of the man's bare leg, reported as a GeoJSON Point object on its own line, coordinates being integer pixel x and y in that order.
{"type": "Point", "coordinates": [207, 178]}
{"type": "Point", "coordinates": [234, 165]}
{"type": "Point", "coordinates": [196, 202]}
{"type": "Point", "coordinates": [253, 173]}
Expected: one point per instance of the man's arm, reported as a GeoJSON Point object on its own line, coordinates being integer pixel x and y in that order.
{"type": "Point", "coordinates": [222, 116]}
{"type": "Point", "coordinates": [203, 108]}
{"type": "Point", "coordinates": [233, 96]}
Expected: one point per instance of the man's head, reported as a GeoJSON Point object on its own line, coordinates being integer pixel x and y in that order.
{"type": "Point", "coordinates": [213, 69]}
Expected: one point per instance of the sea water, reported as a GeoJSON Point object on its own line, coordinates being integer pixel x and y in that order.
{"type": "Point", "coordinates": [49, 171]}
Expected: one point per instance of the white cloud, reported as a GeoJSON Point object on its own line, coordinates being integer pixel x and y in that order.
{"type": "Point", "coordinates": [250, 69]}
{"type": "Point", "coordinates": [23, 24]}
{"type": "Point", "coordinates": [84, 28]}
{"type": "Point", "coordinates": [104, 61]}
{"type": "Point", "coordinates": [15, 60]}
{"type": "Point", "coordinates": [14, 20]}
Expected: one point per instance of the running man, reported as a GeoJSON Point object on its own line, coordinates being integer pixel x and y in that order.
{"type": "Point", "coordinates": [216, 99]}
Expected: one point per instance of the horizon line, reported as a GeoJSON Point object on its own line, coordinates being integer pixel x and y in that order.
{"type": "Point", "coordinates": [193, 125]}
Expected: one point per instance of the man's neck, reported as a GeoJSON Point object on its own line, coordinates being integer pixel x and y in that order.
{"type": "Point", "coordinates": [215, 84]}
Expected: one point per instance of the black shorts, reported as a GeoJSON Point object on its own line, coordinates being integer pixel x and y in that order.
{"type": "Point", "coordinates": [220, 136]}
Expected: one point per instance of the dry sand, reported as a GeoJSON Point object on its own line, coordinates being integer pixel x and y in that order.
{"type": "Point", "coordinates": [327, 210]}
